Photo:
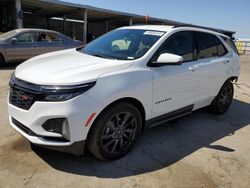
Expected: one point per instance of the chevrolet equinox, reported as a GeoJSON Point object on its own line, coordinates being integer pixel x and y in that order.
{"type": "Point", "coordinates": [103, 97]}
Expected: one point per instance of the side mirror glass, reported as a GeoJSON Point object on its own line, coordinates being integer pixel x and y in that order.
{"type": "Point", "coordinates": [167, 58]}
{"type": "Point", "coordinates": [13, 40]}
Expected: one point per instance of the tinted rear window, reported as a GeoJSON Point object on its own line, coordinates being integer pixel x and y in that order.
{"type": "Point", "coordinates": [231, 44]}
{"type": "Point", "coordinates": [209, 46]}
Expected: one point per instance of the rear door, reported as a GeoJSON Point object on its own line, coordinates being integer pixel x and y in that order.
{"type": "Point", "coordinates": [24, 48]}
{"type": "Point", "coordinates": [211, 67]}
{"type": "Point", "coordinates": [50, 42]}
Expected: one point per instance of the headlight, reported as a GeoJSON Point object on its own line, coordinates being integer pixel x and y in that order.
{"type": "Point", "coordinates": [12, 79]}
{"type": "Point", "coordinates": [50, 92]}
{"type": "Point", "coordinates": [60, 97]}
{"type": "Point", "coordinates": [63, 93]}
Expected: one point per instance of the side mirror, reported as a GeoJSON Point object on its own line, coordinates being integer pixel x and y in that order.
{"type": "Point", "coordinates": [13, 40]}
{"type": "Point", "coordinates": [167, 58]}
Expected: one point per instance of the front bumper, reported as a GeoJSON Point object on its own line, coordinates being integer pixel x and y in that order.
{"type": "Point", "coordinates": [77, 111]}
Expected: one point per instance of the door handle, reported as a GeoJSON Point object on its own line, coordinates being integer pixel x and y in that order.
{"type": "Point", "coordinates": [34, 45]}
{"type": "Point", "coordinates": [193, 68]}
{"type": "Point", "coordinates": [226, 61]}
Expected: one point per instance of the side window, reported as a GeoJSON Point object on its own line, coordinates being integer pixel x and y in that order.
{"type": "Point", "coordinates": [27, 37]}
{"type": "Point", "coordinates": [231, 44]}
{"type": "Point", "coordinates": [221, 48]}
{"type": "Point", "coordinates": [180, 43]}
{"type": "Point", "coordinates": [48, 37]}
{"type": "Point", "coordinates": [209, 46]}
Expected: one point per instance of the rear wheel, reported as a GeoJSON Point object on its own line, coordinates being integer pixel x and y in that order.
{"type": "Point", "coordinates": [115, 131]}
{"type": "Point", "coordinates": [224, 98]}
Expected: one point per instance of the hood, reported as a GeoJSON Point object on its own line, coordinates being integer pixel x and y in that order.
{"type": "Point", "coordinates": [66, 67]}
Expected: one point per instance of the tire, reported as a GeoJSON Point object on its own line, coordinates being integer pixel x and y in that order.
{"type": "Point", "coordinates": [115, 131]}
{"type": "Point", "coordinates": [1, 60]}
{"type": "Point", "coordinates": [223, 100]}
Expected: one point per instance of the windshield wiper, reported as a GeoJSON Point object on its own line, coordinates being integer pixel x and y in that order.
{"type": "Point", "coordinates": [102, 56]}
{"type": "Point", "coordinates": [106, 56]}
{"type": "Point", "coordinates": [98, 55]}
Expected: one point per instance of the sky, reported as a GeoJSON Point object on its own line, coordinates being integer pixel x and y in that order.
{"type": "Point", "coordinates": [233, 15]}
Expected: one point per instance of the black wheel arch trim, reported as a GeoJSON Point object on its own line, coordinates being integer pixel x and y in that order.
{"type": "Point", "coordinates": [133, 101]}
{"type": "Point", "coordinates": [231, 79]}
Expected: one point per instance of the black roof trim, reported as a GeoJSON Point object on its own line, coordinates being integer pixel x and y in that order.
{"type": "Point", "coordinates": [208, 28]}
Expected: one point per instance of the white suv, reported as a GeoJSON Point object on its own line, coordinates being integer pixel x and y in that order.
{"type": "Point", "coordinates": [105, 97]}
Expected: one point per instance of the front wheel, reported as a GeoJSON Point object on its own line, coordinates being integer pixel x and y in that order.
{"type": "Point", "coordinates": [224, 98]}
{"type": "Point", "coordinates": [115, 131]}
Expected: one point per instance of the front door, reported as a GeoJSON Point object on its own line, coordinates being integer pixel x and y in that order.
{"type": "Point", "coordinates": [175, 86]}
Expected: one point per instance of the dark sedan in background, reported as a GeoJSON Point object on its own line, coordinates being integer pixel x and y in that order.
{"type": "Point", "coordinates": [21, 44]}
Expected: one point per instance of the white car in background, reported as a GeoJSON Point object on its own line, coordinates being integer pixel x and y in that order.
{"type": "Point", "coordinates": [105, 98]}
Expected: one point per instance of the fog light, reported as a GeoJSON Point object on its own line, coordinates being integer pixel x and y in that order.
{"type": "Point", "coordinates": [57, 125]}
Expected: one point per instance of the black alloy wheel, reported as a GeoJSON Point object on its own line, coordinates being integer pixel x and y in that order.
{"type": "Point", "coordinates": [119, 133]}
{"type": "Point", "coordinates": [115, 131]}
{"type": "Point", "coordinates": [224, 99]}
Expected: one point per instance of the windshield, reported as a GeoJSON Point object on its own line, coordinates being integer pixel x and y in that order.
{"type": "Point", "coordinates": [8, 35]}
{"type": "Point", "coordinates": [124, 44]}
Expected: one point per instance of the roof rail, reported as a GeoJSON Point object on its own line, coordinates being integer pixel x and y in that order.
{"type": "Point", "coordinates": [196, 26]}
{"type": "Point", "coordinates": [225, 32]}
